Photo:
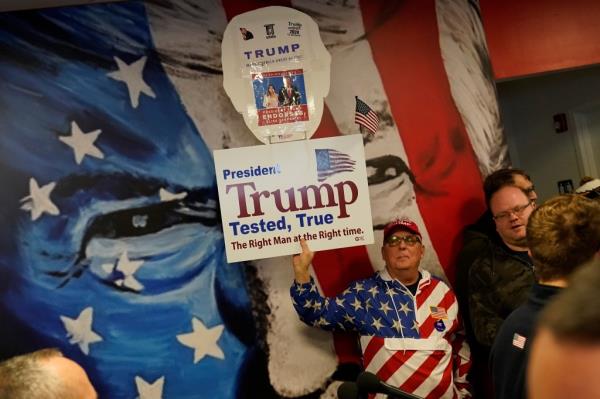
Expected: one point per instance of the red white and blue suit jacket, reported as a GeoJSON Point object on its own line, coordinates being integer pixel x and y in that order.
{"type": "Point", "coordinates": [413, 342]}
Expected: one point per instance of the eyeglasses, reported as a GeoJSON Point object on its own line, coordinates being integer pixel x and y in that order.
{"type": "Point", "coordinates": [411, 241]}
{"type": "Point", "coordinates": [517, 210]}
{"type": "Point", "coordinates": [529, 189]}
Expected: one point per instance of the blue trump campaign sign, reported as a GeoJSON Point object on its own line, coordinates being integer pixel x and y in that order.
{"type": "Point", "coordinates": [271, 196]}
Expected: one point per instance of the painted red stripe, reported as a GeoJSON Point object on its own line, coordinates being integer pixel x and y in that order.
{"type": "Point", "coordinates": [405, 45]}
{"type": "Point", "coordinates": [464, 368]}
{"type": "Point", "coordinates": [461, 365]}
{"type": "Point", "coordinates": [423, 372]}
{"type": "Point", "coordinates": [393, 364]}
{"type": "Point", "coordinates": [374, 345]}
{"type": "Point", "coordinates": [426, 328]}
{"type": "Point", "coordinates": [426, 291]}
{"type": "Point", "coordinates": [443, 385]}
{"type": "Point", "coordinates": [421, 300]}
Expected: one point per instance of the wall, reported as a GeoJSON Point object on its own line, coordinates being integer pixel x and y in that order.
{"type": "Point", "coordinates": [593, 123]}
{"type": "Point", "coordinates": [529, 37]}
{"type": "Point", "coordinates": [104, 108]}
{"type": "Point", "coordinates": [527, 107]}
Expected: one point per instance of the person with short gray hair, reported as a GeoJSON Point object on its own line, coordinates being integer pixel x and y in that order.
{"type": "Point", "coordinates": [44, 374]}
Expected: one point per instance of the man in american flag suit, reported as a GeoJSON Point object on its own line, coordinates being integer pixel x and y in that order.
{"type": "Point", "coordinates": [410, 333]}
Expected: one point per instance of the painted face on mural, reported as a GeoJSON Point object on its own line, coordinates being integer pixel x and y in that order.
{"type": "Point", "coordinates": [391, 184]}
{"type": "Point", "coordinates": [112, 240]}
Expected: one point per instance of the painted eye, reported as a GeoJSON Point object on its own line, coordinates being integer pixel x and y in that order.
{"type": "Point", "coordinates": [387, 167]}
{"type": "Point", "coordinates": [139, 221]}
{"type": "Point", "coordinates": [141, 224]}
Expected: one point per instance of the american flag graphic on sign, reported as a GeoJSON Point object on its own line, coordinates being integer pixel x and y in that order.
{"type": "Point", "coordinates": [331, 162]}
{"type": "Point", "coordinates": [365, 116]}
{"type": "Point", "coordinates": [519, 341]}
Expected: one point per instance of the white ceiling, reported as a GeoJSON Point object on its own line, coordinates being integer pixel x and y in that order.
{"type": "Point", "coordinates": [12, 5]}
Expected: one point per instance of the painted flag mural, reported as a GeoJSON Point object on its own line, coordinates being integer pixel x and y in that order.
{"type": "Point", "coordinates": [111, 246]}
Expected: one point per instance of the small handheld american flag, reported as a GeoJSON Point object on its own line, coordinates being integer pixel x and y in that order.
{"type": "Point", "coordinates": [365, 116]}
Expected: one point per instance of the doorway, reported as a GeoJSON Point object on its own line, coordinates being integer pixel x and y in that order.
{"type": "Point", "coordinates": [529, 107]}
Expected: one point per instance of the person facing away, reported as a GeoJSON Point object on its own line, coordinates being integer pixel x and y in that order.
{"type": "Point", "coordinates": [565, 353]}
{"type": "Point", "coordinates": [270, 99]}
{"type": "Point", "coordinates": [44, 374]}
{"type": "Point", "coordinates": [407, 320]}
{"type": "Point", "coordinates": [562, 235]}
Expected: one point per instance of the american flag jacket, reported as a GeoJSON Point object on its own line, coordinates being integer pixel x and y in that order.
{"type": "Point", "coordinates": [415, 343]}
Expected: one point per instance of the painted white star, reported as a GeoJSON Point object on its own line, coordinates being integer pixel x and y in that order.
{"type": "Point", "coordinates": [300, 289]}
{"type": "Point", "coordinates": [82, 143]}
{"type": "Point", "coordinates": [131, 75]}
{"type": "Point", "coordinates": [79, 330]}
{"type": "Point", "coordinates": [377, 323]}
{"type": "Point", "coordinates": [128, 268]}
{"type": "Point", "coordinates": [358, 287]}
{"type": "Point", "coordinates": [357, 305]}
{"type": "Point", "coordinates": [149, 391]}
{"type": "Point", "coordinates": [415, 325]}
{"type": "Point", "coordinates": [308, 304]}
{"type": "Point", "coordinates": [203, 340]}
{"type": "Point", "coordinates": [374, 291]}
{"type": "Point", "coordinates": [349, 318]}
{"type": "Point", "coordinates": [340, 301]}
{"type": "Point", "coordinates": [38, 201]}
{"type": "Point", "coordinates": [404, 308]}
{"type": "Point", "coordinates": [385, 307]}
{"type": "Point", "coordinates": [166, 195]}
{"type": "Point", "coordinates": [397, 324]}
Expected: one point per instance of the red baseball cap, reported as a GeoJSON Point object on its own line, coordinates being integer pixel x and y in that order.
{"type": "Point", "coordinates": [401, 224]}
